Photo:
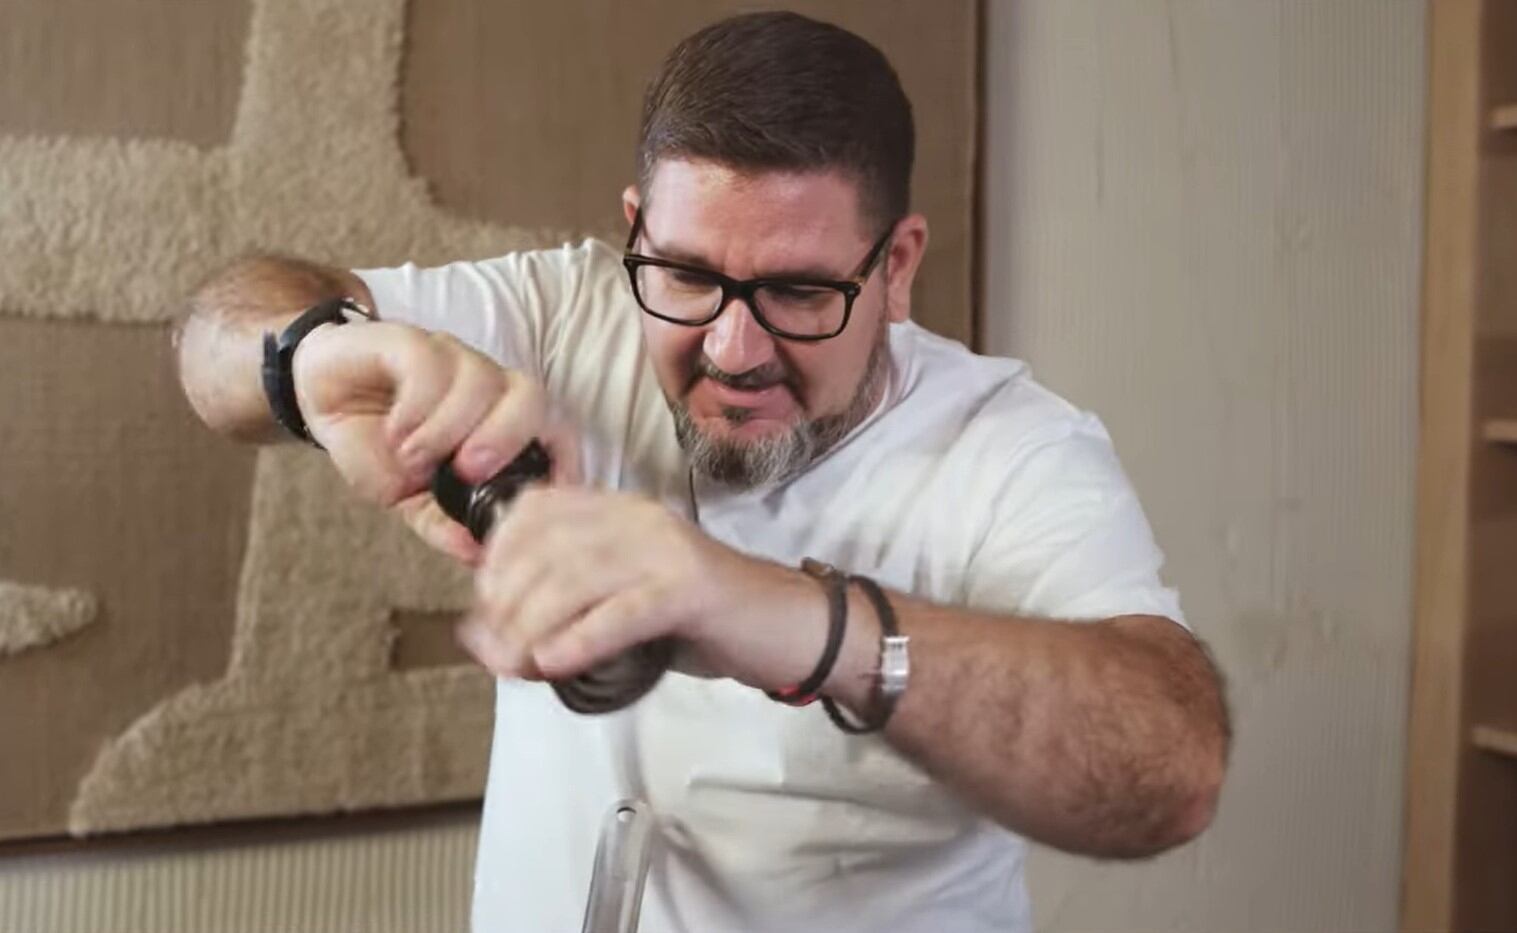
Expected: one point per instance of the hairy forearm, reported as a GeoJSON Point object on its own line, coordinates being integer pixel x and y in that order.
{"type": "Point", "coordinates": [1106, 738]}
{"type": "Point", "coordinates": [219, 341]}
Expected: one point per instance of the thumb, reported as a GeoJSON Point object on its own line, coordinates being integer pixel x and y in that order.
{"type": "Point", "coordinates": [439, 531]}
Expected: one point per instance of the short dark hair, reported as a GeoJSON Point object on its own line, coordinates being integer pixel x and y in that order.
{"type": "Point", "coordinates": [780, 91]}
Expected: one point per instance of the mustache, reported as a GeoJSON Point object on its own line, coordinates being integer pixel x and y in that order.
{"type": "Point", "coordinates": [772, 373]}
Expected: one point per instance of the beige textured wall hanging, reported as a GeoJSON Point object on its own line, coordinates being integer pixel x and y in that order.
{"type": "Point", "coordinates": [309, 717]}
{"type": "Point", "coordinates": [261, 644]}
{"type": "Point", "coordinates": [313, 168]}
{"type": "Point", "coordinates": [35, 616]}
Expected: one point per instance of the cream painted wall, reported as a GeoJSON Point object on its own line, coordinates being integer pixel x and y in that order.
{"type": "Point", "coordinates": [1203, 222]}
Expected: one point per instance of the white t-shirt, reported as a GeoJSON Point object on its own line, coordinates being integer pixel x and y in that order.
{"type": "Point", "coordinates": [969, 485]}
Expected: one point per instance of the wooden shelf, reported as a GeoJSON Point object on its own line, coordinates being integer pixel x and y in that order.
{"type": "Point", "coordinates": [1458, 855]}
{"type": "Point", "coordinates": [1500, 430]}
{"type": "Point", "coordinates": [1497, 740]}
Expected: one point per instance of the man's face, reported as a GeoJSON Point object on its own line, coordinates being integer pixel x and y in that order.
{"type": "Point", "coordinates": [752, 408]}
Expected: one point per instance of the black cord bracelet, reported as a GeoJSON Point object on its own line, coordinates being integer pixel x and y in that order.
{"type": "Point", "coordinates": [836, 585]}
{"type": "Point", "coordinates": [885, 702]}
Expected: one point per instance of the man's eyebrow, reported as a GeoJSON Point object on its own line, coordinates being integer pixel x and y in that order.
{"type": "Point", "coordinates": [690, 258]}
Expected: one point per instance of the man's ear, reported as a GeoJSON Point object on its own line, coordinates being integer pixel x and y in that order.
{"type": "Point", "coordinates": [902, 260]}
{"type": "Point", "coordinates": [631, 201]}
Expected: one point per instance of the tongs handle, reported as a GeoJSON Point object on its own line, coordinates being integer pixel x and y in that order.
{"type": "Point", "coordinates": [621, 869]}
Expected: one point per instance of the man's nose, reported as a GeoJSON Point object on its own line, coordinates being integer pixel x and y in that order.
{"type": "Point", "coordinates": [736, 342]}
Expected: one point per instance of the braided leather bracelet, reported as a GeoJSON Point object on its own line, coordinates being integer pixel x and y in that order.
{"type": "Point", "coordinates": [836, 585]}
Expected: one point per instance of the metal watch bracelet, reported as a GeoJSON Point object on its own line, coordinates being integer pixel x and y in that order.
{"type": "Point", "coordinates": [893, 673]}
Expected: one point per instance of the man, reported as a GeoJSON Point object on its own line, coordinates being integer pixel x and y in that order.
{"type": "Point", "coordinates": [746, 391]}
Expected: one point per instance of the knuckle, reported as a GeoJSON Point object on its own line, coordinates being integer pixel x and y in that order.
{"type": "Point", "coordinates": [582, 641]}
{"type": "Point", "coordinates": [389, 489]}
{"type": "Point", "coordinates": [533, 503]}
{"type": "Point", "coordinates": [489, 591]}
{"type": "Point", "coordinates": [484, 389]}
{"type": "Point", "coordinates": [537, 616]}
{"type": "Point", "coordinates": [420, 444]}
{"type": "Point", "coordinates": [445, 342]}
{"type": "Point", "coordinates": [647, 603]}
{"type": "Point", "coordinates": [500, 550]}
{"type": "Point", "coordinates": [526, 391]}
{"type": "Point", "coordinates": [474, 369]}
{"type": "Point", "coordinates": [489, 647]}
{"type": "Point", "coordinates": [632, 608]}
{"type": "Point", "coordinates": [412, 346]}
{"type": "Point", "coordinates": [432, 525]}
{"type": "Point", "coordinates": [413, 511]}
{"type": "Point", "coordinates": [432, 361]}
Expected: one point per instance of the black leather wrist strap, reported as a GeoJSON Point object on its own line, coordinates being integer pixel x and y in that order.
{"type": "Point", "coordinates": [884, 703]}
{"type": "Point", "coordinates": [279, 356]}
{"type": "Point", "coordinates": [836, 585]}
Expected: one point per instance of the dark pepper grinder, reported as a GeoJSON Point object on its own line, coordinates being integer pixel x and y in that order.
{"type": "Point", "coordinates": [608, 686]}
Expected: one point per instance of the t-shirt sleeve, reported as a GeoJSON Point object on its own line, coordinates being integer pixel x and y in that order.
{"type": "Point", "coordinates": [510, 308]}
{"type": "Point", "coordinates": [1068, 539]}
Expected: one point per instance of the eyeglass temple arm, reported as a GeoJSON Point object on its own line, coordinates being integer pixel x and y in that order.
{"type": "Point", "coordinates": [637, 227]}
{"type": "Point", "coordinates": [873, 258]}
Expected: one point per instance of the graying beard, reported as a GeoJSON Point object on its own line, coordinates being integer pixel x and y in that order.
{"type": "Point", "coordinates": [776, 459]}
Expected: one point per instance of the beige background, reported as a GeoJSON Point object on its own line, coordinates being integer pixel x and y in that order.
{"type": "Point", "coordinates": [143, 142]}
{"type": "Point", "coordinates": [1203, 222]}
{"type": "Point", "coordinates": [514, 114]}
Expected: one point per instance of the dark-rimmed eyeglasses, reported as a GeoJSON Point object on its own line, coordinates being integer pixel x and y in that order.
{"type": "Point", "coordinates": [792, 307]}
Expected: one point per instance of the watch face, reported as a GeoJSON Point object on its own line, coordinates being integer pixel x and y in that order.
{"type": "Point", "coordinates": [895, 665]}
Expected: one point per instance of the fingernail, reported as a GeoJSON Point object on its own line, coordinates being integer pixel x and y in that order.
{"type": "Point", "coordinates": [487, 648]}
{"type": "Point", "coordinates": [482, 459]}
